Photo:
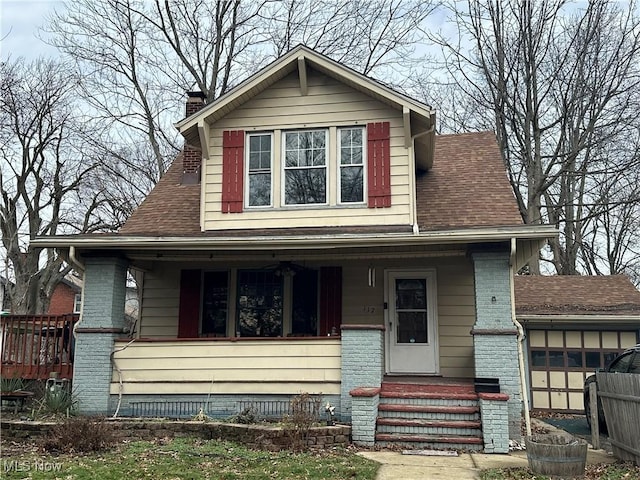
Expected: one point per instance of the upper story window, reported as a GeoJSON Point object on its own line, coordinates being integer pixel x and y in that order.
{"type": "Point", "coordinates": [260, 161]}
{"type": "Point", "coordinates": [332, 166]}
{"type": "Point", "coordinates": [351, 159]}
{"type": "Point", "coordinates": [305, 167]}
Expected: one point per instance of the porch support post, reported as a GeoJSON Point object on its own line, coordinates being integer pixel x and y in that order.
{"type": "Point", "coordinates": [494, 334]}
{"type": "Point", "coordinates": [364, 405]}
{"type": "Point", "coordinates": [362, 362]}
{"type": "Point", "coordinates": [102, 320]}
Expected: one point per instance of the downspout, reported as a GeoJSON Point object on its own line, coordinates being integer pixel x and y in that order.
{"type": "Point", "coordinates": [520, 338]}
{"type": "Point", "coordinates": [414, 213]}
{"type": "Point", "coordinates": [80, 266]}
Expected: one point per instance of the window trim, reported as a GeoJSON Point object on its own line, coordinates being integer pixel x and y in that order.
{"type": "Point", "coordinates": [247, 173]}
{"type": "Point", "coordinates": [283, 168]}
{"type": "Point", "coordinates": [339, 166]}
{"type": "Point", "coordinates": [77, 303]}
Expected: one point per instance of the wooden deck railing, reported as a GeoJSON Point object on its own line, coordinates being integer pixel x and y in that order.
{"type": "Point", "coordinates": [34, 346]}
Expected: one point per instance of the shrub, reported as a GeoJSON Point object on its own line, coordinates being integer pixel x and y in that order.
{"type": "Point", "coordinates": [57, 401]}
{"type": "Point", "coordinates": [305, 413]}
{"type": "Point", "coordinates": [247, 416]}
{"type": "Point", "coordinates": [80, 435]}
{"type": "Point", "coordinates": [11, 384]}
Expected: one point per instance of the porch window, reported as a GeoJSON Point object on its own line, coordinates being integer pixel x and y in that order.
{"type": "Point", "coordinates": [259, 169]}
{"type": "Point", "coordinates": [259, 309]}
{"type": "Point", "coordinates": [304, 315]}
{"type": "Point", "coordinates": [351, 156]}
{"type": "Point", "coordinates": [214, 306]}
{"type": "Point", "coordinates": [305, 167]}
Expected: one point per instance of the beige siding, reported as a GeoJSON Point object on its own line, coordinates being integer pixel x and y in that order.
{"type": "Point", "coordinates": [328, 104]}
{"type": "Point", "coordinates": [160, 301]}
{"type": "Point", "coordinates": [362, 304]}
{"type": "Point", "coordinates": [259, 367]}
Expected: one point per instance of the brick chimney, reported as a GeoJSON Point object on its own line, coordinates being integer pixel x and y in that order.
{"type": "Point", "coordinates": [192, 156]}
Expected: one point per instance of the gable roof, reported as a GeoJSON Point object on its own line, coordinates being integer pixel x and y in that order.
{"type": "Point", "coordinates": [576, 295]}
{"type": "Point", "coordinates": [466, 188]}
{"type": "Point", "coordinates": [418, 117]}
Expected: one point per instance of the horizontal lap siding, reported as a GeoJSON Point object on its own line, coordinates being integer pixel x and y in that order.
{"type": "Point", "coordinates": [328, 104]}
{"type": "Point", "coordinates": [456, 305]}
{"type": "Point", "coordinates": [160, 302]}
{"type": "Point", "coordinates": [266, 367]}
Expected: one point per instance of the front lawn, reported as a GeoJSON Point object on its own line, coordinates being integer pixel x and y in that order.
{"type": "Point", "coordinates": [187, 459]}
{"type": "Point", "coordinates": [614, 471]}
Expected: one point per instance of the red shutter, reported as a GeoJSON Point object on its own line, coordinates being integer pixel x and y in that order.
{"type": "Point", "coordinates": [378, 165]}
{"type": "Point", "coordinates": [330, 300]}
{"type": "Point", "coordinates": [232, 170]}
{"type": "Point", "coordinates": [189, 309]}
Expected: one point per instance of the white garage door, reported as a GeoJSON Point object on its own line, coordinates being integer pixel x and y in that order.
{"type": "Point", "coordinates": [560, 360]}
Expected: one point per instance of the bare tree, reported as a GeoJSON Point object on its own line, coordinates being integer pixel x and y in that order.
{"type": "Point", "coordinates": [140, 57]}
{"type": "Point", "coordinates": [44, 173]}
{"type": "Point", "coordinates": [560, 88]}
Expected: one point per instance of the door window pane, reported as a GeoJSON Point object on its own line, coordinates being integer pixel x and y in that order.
{"type": "Point", "coordinates": [412, 327]}
{"type": "Point", "coordinates": [411, 311]}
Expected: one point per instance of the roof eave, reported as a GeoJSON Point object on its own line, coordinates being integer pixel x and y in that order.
{"type": "Point", "coordinates": [287, 63]}
{"type": "Point", "coordinates": [498, 234]}
{"type": "Point", "coordinates": [592, 318]}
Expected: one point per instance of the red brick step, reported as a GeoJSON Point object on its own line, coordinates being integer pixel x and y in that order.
{"type": "Point", "coordinates": [405, 422]}
{"type": "Point", "coordinates": [390, 407]}
{"type": "Point", "coordinates": [393, 437]}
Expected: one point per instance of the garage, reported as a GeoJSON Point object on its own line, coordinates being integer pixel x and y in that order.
{"type": "Point", "coordinates": [574, 325]}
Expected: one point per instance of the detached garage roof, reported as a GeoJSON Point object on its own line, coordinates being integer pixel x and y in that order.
{"type": "Point", "coordinates": [576, 295]}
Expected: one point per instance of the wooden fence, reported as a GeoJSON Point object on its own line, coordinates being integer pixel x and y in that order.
{"type": "Point", "coordinates": [34, 346]}
{"type": "Point", "coordinates": [620, 393]}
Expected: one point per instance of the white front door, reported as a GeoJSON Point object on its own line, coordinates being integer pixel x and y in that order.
{"type": "Point", "coordinates": [412, 324]}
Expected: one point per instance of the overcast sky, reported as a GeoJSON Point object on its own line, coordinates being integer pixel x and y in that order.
{"type": "Point", "coordinates": [19, 22]}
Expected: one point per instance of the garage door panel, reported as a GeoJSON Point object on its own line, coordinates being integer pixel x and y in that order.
{"type": "Point", "coordinates": [560, 360]}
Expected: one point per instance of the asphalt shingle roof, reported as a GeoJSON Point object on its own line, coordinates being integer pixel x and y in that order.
{"type": "Point", "coordinates": [466, 188]}
{"type": "Point", "coordinates": [576, 295]}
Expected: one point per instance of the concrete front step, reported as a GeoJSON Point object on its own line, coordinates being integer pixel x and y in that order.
{"type": "Point", "coordinates": [446, 442]}
{"type": "Point", "coordinates": [458, 424]}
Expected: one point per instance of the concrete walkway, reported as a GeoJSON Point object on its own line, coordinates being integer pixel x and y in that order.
{"type": "Point", "coordinates": [466, 466]}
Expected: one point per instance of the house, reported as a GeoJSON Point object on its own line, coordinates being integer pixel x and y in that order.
{"type": "Point", "coordinates": [574, 325]}
{"type": "Point", "coordinates": [66, 296]}
{"type": "Point", "coordinates": [317, 236]}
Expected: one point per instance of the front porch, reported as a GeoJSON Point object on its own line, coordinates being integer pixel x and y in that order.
{"type": "Point", "coordinates": [240, 333]}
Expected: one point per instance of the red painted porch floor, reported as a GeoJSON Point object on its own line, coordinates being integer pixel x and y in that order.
{"type": "Point", "coordinates": [428, 387]}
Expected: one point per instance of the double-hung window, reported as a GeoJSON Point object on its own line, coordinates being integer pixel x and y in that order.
{"type": "Point", "coordinates": [260, 146]}
{"type": "Point", "coordinates": [305, 167]}
{"type": "Point", "coordinates": [351, 160]}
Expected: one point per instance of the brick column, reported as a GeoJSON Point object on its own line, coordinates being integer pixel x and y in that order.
{"type": "Point", "coordinates": [494, 413]}
{"type": "Point", "coordinates": [364, 413]}
{"type": "Point", "coordinates": [494, 334]}
{"type": "Point", "coordinates": [102, 320]}
{"type": "Point", "coordinates": [362, 362]}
